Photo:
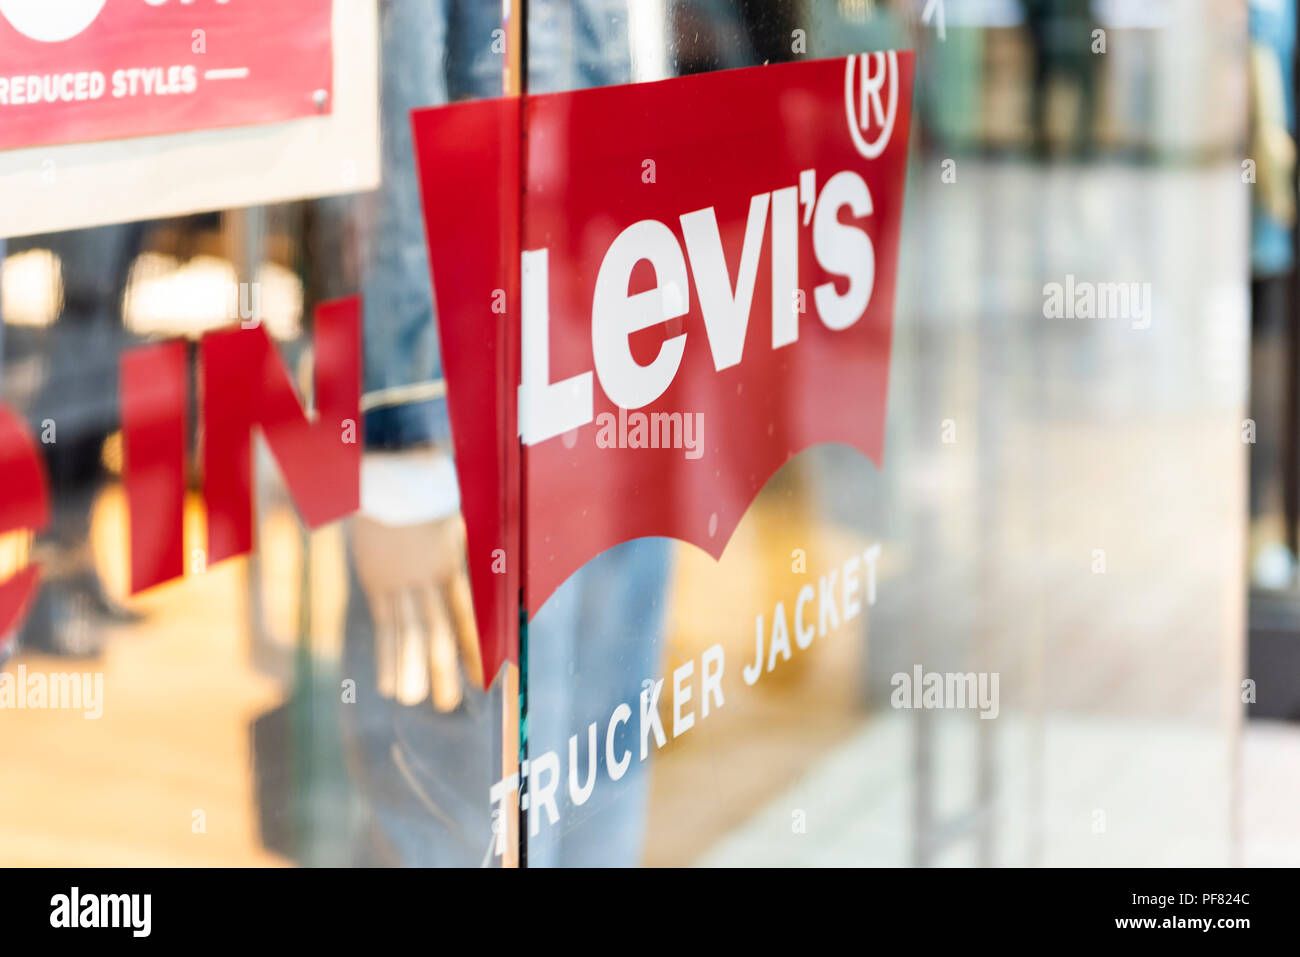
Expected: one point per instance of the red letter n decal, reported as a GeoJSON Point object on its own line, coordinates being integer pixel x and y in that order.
{"type": "Point", "coordinates": [154, 381]}
{"type": "Point", "coordinates": [246, 385]}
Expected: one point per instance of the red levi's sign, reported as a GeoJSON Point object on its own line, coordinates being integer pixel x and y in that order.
{"type": "Point", "coordinates": [82, 70]}
{"type": "Point", "coordinates": [652, 297]}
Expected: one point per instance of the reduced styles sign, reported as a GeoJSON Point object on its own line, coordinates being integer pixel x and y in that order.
{"type": "Point", "coordinates": [651, 297]}
{"type": "Point", "coordinates": [75, 71]}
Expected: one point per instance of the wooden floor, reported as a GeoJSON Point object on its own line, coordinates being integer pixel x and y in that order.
{"type": "Point", "coordinates": [180, 697]}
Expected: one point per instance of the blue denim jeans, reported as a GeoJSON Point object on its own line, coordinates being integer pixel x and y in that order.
{"type": "Point", "coordinates": [598, 638]}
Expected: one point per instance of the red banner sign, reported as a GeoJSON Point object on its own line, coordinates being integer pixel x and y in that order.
{"type": "Point", "coordinates": [699, 285]}
{"type": "Point", "coordinates": [82, 70]}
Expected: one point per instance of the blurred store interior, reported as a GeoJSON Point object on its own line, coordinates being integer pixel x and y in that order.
{"type": "Point", "coordinates": [1105, 512]}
